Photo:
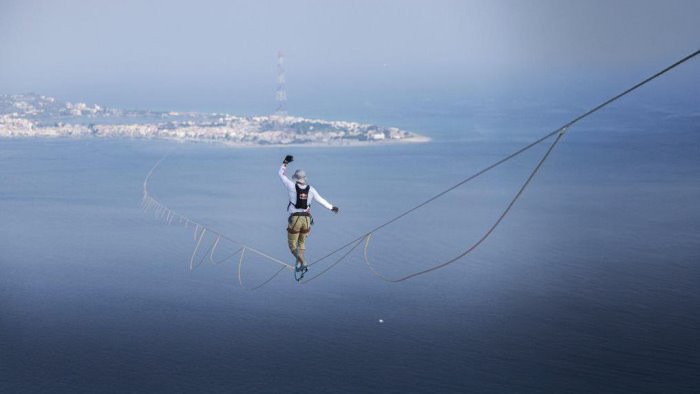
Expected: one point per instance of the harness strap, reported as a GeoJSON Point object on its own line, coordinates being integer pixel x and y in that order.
{"type": "Point", "coordinates": [289, 230]}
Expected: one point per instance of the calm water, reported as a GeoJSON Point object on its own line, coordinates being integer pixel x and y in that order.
{"type": "Point", "coordinates": [590, 285]}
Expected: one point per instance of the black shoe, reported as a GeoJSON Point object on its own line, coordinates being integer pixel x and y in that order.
{"type": "Point", "coordinates": [299, 271]}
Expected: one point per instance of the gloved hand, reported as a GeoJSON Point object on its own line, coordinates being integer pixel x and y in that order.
{"type": "Point", "coordinates": [288, 159]}
{"type": "Point", "coordinates": [335, 209]}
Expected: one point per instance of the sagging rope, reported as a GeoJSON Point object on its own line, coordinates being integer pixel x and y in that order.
{"type": "Point", "coordinates": [170, 215]}
{"type": "Point", "coordinates": [483, 237]}
{"type": "Point", "coordinates": [240, 274]}
{"type": "Point", "coordinates": [559, 132]}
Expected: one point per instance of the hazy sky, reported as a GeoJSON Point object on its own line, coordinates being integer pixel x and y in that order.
{"type": "Point", "coordinates": [186, 53]}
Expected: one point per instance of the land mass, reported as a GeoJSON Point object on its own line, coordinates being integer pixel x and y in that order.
{"type": "Point", "coordinates": [31, 115]}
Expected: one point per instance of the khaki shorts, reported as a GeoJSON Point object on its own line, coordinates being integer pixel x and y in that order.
{"type": "Point", "coordinates": [298, 228]}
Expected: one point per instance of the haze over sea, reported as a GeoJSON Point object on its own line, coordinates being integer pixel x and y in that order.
{"type": "Point", "coordinates": [589, 285]}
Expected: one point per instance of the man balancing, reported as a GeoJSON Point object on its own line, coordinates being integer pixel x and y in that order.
{"type": "Point", "coordinates": [301, 195]}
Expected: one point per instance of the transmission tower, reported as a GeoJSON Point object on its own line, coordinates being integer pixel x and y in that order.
{"type": "Point", "coordinates": [281, 92]}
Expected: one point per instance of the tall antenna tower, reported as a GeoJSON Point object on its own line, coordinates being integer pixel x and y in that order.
{"type": "Point", "coordinates": [281, 92]}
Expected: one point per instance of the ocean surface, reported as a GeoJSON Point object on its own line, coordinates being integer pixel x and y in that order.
{"type": "Point", "coordinates": [590, 284]}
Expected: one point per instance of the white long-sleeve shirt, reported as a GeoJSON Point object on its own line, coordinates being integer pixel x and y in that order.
{"type": "Point", "coordinates": [312, 196]}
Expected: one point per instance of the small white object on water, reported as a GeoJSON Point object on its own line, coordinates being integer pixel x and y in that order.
{"type": "Point", "coordinates": [381, 321]}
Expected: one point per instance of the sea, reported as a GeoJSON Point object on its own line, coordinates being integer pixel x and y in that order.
{"type": "Point", "coordinates": [589, 284]}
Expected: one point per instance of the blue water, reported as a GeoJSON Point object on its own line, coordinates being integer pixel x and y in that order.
{"type": "Point", "coordinates": [589, 285]}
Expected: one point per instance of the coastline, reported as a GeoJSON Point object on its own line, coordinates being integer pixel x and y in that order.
{"type": "Point", "coordinates": [35, 116]}
{"type": "Point", "coordinates": [342, 143]}
{"type": "Point", "coordinates": [416, 139]}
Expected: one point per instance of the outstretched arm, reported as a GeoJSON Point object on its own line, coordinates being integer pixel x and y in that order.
{"type": "Point", "coordinates": [314, 196]}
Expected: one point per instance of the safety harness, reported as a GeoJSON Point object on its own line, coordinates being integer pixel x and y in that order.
{"type": "Point", "coordinates": [302, 202]}
{"type": "Point", "coordinates": [302, 197]}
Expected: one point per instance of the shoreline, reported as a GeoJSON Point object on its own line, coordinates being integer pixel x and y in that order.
{"type": "Point", "coordinates": [34, 116]}
{"type": "Point", "coordinates": [416, 139]}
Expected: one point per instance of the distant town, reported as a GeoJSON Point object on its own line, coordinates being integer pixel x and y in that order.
{"type": "Point", "coordinates": [31, 115]}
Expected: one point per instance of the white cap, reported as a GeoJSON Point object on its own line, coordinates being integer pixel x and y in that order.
{"type": "Point", "coordinates": [299, 176]}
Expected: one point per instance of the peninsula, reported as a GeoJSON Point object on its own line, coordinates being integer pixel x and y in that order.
{"type": "Point", "coordinates": [31, 115]}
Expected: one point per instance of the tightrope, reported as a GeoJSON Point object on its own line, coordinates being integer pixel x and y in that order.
{"type": "Point", "coordinates": [559, 132]}
{"type": "Point", "coordinates": [161, 210]}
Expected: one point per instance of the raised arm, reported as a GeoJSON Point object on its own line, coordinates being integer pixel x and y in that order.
{"type": "Point", "coordinates": [283, 173]}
